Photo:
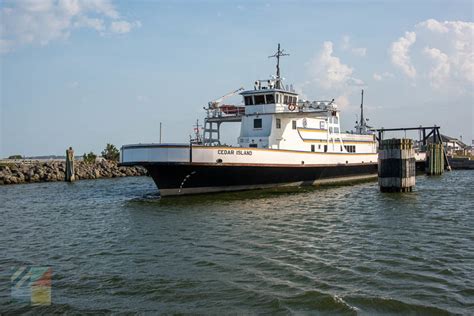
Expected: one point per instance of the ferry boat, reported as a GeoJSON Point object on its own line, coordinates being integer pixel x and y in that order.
{"type": "Point", "coordinates": [284, 141]}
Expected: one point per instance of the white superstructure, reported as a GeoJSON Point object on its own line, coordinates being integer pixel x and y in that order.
{"type": "Point", "coordinates": [277, 119]}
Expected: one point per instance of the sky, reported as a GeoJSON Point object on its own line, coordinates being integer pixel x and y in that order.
{"type": "Point", "coordinates": [84, 73]}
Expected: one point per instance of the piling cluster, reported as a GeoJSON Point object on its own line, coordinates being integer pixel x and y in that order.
{"type": "Point", "coordinates": [397, 165]}
{"type": "Point", "coordinates": [37, 171]}
{"type": "Point", "coordinates": [435, 159]}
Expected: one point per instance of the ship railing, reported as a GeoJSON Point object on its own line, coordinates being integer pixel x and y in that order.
{"type": "Point", "coordinates": [225, 111]}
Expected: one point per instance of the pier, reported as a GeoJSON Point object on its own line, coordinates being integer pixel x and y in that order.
{"type": "Point", "coordinates": [436, 158]}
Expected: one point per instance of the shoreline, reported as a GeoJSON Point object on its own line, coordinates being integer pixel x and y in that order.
{"type": "Point", "coordinates": [53, 171]}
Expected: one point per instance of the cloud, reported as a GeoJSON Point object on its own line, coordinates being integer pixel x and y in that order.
{"type": "Point", "coordinates": [399, 53]}
{"type": "Point", "coordinates": [380, 77]}
{"type": "Point", "coordinates": [342, 101]}
{"type": "Point", "coordinates": [332, 76]}
{"type": "Point", "coordinates": [441, 69]}
{"type": "Point", "coordinates": [442, 51]}
{"type": "Point", "coordinates": [329, 72]}
{"type": "Point", "coordinates": [38, 22]}
{"type": "Point", "coordinates": [123, 26]}
{"type": "Point", "coordinates": [433, 25]}
{"type": "Point", "coordinates": [347, 46]}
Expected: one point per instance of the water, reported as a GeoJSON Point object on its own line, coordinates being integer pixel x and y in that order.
{"type": "Point", "coordinates": [113, 246]}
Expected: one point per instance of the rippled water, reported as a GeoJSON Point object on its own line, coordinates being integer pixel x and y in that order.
{"type": "Point", "coordinates": [113, 246]}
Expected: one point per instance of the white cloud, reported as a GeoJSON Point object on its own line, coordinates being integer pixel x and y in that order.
{"type": "Point", "coordinates": [441, 69]}
{"type": "Point", "coordinates": [332, 77]}
{"type": "Point", "coordinates": [342, 101]}
{"type": "Point", "coordinates": [123, 26]}
{"type": "Point", "coordinates": [399, 53]}
{"type": "Point", "coordinates": [382, 76]}
{"type": "Point", "coordinates": [329, 72]}
{"type": "Point", "coordinates": [455, 40]}
{"type": "Point", "coordinates": [443, 54]}
{"type": "Point", "coordinates": [347, 46]}
{"type": "Point", "coordinates": [433, 25]}
{"type": "Point", "coordinates": [39, 22]}
{"type": "Point", "coordinates": [96, 24]}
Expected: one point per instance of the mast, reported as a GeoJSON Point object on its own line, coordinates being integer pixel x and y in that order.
{"type": "Point", "coordinates": [277, 55]}
{"type": "Point", "coordinates": [362, 121]}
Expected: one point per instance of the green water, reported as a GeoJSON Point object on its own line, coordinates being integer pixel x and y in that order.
{"type": "Point", "coordinates": [113, 246]}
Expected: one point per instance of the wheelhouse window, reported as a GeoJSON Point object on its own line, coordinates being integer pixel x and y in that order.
{"type": "Point", "coordinates": [257, 123]}
{"type": "Point", "coordinates": [278, 123]}
{"type": "Point", "coordinates": [259, 99]}
{"type": "Point", "coordinates": [293, 124]}
{"type": "Point", "coordinates": [285, 99]}
{"type": "Point", "coordinates": [270, 98]}
{"type": "Point", "coordinates": [248, 100]}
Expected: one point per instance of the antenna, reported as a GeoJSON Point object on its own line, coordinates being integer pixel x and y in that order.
{"type": "Point", "coordinates": [277, 55]}
{"type": "Point", "coordinates": [197, 134]}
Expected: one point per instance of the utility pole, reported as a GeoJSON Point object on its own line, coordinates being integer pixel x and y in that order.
{"type": "Point", "coordinates": [160, 132]}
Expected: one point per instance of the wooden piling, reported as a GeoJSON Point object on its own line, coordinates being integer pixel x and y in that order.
{"type": "Point", "coordinates": [396, 165]}
{"type": "Point", "coordinates": [70, 165]}
{"type": "Point", "coordinates": [435, 159]}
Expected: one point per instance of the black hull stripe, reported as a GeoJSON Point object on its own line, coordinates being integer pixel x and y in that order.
{"type": "Point", "coordinates": [185, 176]}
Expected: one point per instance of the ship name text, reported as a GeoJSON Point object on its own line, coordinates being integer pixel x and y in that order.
{"type": "Point", "coordinates": [234, 152]}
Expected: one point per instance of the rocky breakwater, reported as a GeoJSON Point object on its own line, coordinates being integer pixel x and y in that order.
{"type": "Point", "coordinates": [40, 171]}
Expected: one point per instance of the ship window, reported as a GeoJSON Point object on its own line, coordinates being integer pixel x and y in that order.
{"type": "Point", "coordinates": [312, 148]}
{"type": "Point", "coordinates": [325, 148]}
{"type": "Point", "coordinates": [278, 123]}
{"type": "Point", "coordinates": [285, 99]}
{"type": "Point", "coordinates": [350, 148]}
{"type": "Point", "coordinates": [336, 129]}
{"type": "Point", "coordinates": [257, 123]}
{"type": "Point", "coordinates": [270, 98]}
{"type": "Point", "coordinates": [319, 146]}
{"type": "Point", "coordinates": [248, 100]}
{"type": "Point", "coordinates": [259, 99]}
{"type": "Point", "coordinates": [253, 145]}
{"type": "Point", "coordinates": [330, 129]}
{"type": "Point", "coordinates": [293, 124]}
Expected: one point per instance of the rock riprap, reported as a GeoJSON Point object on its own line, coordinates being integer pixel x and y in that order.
{"type": "Point", "coordinates": [48, 171]}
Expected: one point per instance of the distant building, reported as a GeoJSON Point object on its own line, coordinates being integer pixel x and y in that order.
{"type": "Point", "coordinates": [453, 145]}
{"type": "Point", "coordinates": [470, 149]}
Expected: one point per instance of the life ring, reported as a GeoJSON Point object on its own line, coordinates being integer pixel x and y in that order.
{"type": "Point", "coordinates": [291, 107]}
